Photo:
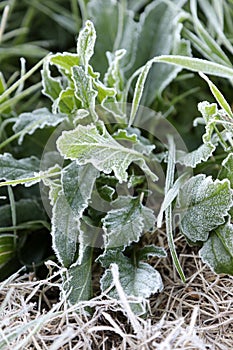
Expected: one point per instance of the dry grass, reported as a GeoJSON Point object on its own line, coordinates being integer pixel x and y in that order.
{"type": "Point", "coordinates": [197, 315]}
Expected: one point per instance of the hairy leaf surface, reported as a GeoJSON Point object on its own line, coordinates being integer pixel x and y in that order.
{"type": "Point", "coordinates": [217, 251]}
{"type": "Point", "coordinates": [204, 204]}
{"type": "Point", "coordinates": [126, 222]}
{"type": "Point", "coordinates": [87, 144]}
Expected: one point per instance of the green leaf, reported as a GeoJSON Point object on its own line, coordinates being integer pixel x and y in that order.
{"type": "Point", "coordinates": [77, 282]}
{"type": "Point", "coordinates": [28, 123]}
{"type": "Point", "coordinates": [227, 169]}
{"type": "Point", "coordinates": [87, 144]}
{"type": "Point", "coordinates": [139, 281]}
{"type": "Point", "coordinates": [201, 154]}
{"type": "Point", "coordinates": [7, 247]}
{"type": "Point", "coordinates": [66, 102]}
{"type": "Point", "coordinates": [197, 65]}
{"type": "Point", "coordinates": [204, 203]}
{"type": "Point", "coordinates": [83, 88]}
{"type": "Point", "coordinates": [158, 34]}
{"type": "Point", "coordinates": [218, 96]}
{"type": "Point", "coordinates": [217, 251]}
{"type": "Point", "coordinates": [65, 231]}
{"type": "Point", "coordinates": [16, 169]}
{"type": "Point", "coordinates": [113, 77]}
{"type": "Point", "coordinates": [27, 210]}
{"type": "Point", "coordinates": [65, 61]}
{"type": "Point", "coordinates": [86, 43]}
{"type": "Point", "coordinates": [78, 182]}
{"type": "Point", "coordinates": [51, 86]}
{"type": "Point", "coordinates": [126, 222]}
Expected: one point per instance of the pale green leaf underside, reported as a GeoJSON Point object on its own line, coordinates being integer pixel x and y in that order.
{"type": "Point", "coordinates": [86, 144]}
{"type": "Point", "coordinates": [28, 123]}
{"type": "Point", "coordinates": [217, 251]}
{"type": "Point", "coordinates": [126, 222]}
{"type": "Point", "coordinates": [204, 204]}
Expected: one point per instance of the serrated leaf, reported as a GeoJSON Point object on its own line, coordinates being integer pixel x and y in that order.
{"type": "Point", "coordinates": [204, 204]}
{"type": "Point", "coordinates": [83, 88]}
{"type": "Point", "coordinates": [138, 142]}
{"type": "Point", "coordinates": [28, 123]}
{"type": "Point", "coordinates": [201, 154]}
{"type": "Point", "coordinates": [126, 222]}
{"type": "Point", "coordinates": [86, 43]}
{"type": "Point", "coordinates": [139, 281]}
{"type": "Point", "coordinates": [86, 144]}
{"type": "Point", "coordinates": [78, 182]}
{"type": "Point", "coordinates": [16, 169]}
{"type": "Point", "coordinates": [65, 231]}
{"type": "Point", "coordinates": [217, 251]}
{"type": "Point", "coordinates": [7, 247]}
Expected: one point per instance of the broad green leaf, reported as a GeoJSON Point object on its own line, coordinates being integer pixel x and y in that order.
{"type": "Point", "coordinates": [150, 251]}
{"type": "Point", "coordinates": [65, 61]}
{"type": "Point", "coordinates": [227, 169]}
{"type": "Point", "coordinates": [65, 231]}
{"type": "Point", "coordinates": [204, 203]}
{"type": "Point", "coordinates": [158, 34]}
{"type": "Point", "coordinates": [126, 222]}
{"type": "Point", "coordinates": [104, 14]}
{"type": "Point", "coordinates": [84, 88]}
{"type": "Point", "coordinates": [139, 280]}
{"type": "Point", "coordinates": [28, 123]}
{"type": "Point", "coordinates": [201, 154]}
{"type": "Point", "coordinates": [51, 86]}
{"type": "Point", "coordinates": [86, 43]}
{"type": "Point", "coordinates": [217, 251]}
{"type": "Point", "coordinates": [16, 169]}
{"type": "Point", "coordinates": [7, 249]}
{"type": "Point", "coordinates": [77, 282]}
{"type": "Point", "coordinates": [87, 144]}
{"type": "Point", "coordinates": [78, 182]}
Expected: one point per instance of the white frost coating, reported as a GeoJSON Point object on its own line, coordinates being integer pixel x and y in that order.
{"type": "Point", "coordinates": [64, 231]}
{"type": "Point", "coordinates": [86, 144]}
{"type": "Point", "coordinates": [126, 223]}
{"type": "Point", "coordinates": [204, 204]}
{"type": "Point", "coordinates": [28, 123]}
